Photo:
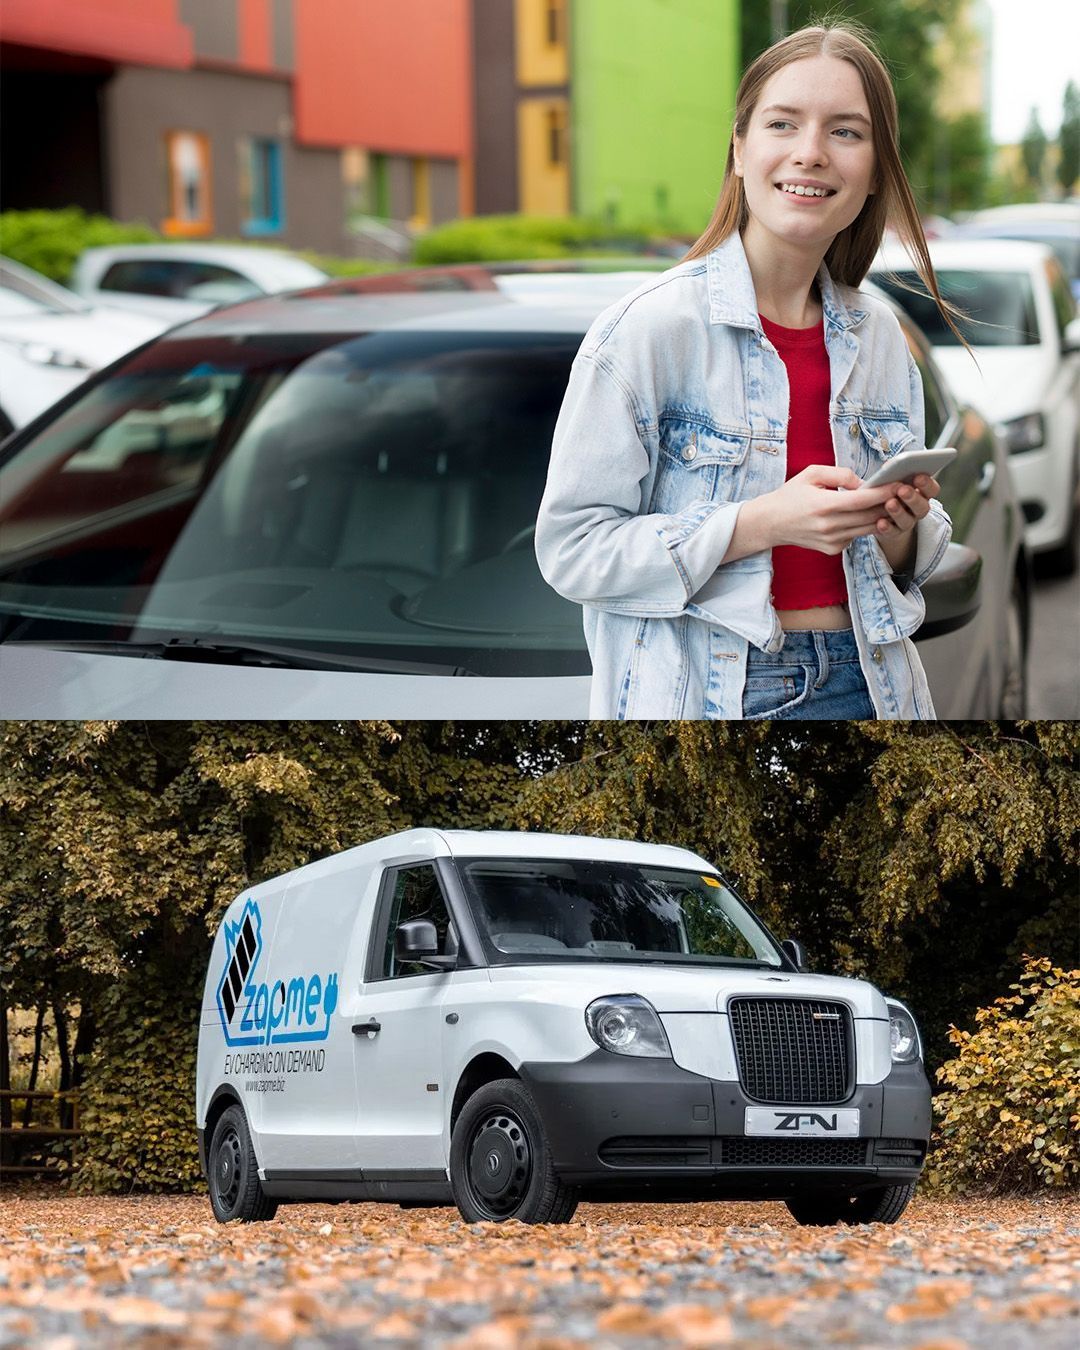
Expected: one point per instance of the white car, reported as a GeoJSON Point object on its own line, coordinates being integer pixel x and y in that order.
{"type": "Point", "coordinates": [182, 281]}
{"type": "Point", "coordinates": [1025, 333]}
{"type": "Point", "coordinates": [1056, 224]}
{"type": "Point", "coordinates": [323, 505]}
{"type": "Point", "coordinates": [516, 1022]}
{"type": "Point", "coordinates": [51, 340]}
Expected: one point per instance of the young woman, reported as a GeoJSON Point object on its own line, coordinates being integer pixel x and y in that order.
{"type": "Point", "coordinates": [704, 501]}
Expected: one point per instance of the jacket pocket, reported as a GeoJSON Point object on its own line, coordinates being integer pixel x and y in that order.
{"type": "Point", "coordinates": [698, 461]}
{"type": "Point", "coordinates": [880, 438]}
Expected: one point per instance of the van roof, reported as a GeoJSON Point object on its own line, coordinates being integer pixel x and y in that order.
{"type": "Point", "coordinates": [410, 845]}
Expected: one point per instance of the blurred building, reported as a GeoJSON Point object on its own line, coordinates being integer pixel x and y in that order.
{"type": "Point", "coordinates": [345, 125]}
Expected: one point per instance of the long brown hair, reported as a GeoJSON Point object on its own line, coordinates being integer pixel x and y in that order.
{"type": "Point", "coordinates": [852, 251]}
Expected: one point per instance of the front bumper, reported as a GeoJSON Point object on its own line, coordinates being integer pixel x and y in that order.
{"type": "Point", "coordinates": [621, 1127]}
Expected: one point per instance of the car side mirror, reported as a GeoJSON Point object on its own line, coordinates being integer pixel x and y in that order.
{"type": "Point", "coordinates": [417, 940]}
{"type": "Point", "coordinates": [796, 953]}
{"type": "Point", "coordinates": [952, 592]}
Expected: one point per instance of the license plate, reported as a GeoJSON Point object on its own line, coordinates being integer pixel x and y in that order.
{"type": "Point", "coordinates": [806, 1124]}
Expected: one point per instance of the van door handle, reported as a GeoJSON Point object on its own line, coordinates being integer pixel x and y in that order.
{"type": "Point", "coordinates": [371, 1028]}
{"type": "Point", "coordinates": [986, 478]}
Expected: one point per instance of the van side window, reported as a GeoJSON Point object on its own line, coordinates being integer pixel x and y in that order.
{"type": "Point", "coordinates": [417, 895]}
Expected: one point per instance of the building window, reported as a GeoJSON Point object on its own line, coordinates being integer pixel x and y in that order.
{"type": "Point", "coordinates": [554, 21]}
{"type": "Point", "coordinates": [421, 195]}
{"type": "Point", "coordinates": [187, 157]}
{"type": "Point", "coordinates": [556, 136]}
{"type": "Point", "coordinates": [261, 186]}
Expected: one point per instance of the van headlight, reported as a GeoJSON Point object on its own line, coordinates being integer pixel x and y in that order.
{"type": "Point", "coordinates": [903, 1034]}
{"type": "Point", "coordinates": [627, 1024]}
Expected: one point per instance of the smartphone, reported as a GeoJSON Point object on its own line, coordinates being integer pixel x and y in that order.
{"type": "Point", "coordinates": [903, 467]}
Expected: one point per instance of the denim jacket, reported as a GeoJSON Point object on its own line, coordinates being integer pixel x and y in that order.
{"type": "Point", "coordinates": [675, 414]}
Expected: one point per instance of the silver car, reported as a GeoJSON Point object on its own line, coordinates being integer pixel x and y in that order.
{"type": "Point", "coordinates": [322, 505]}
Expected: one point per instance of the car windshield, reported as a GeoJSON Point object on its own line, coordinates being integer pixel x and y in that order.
{"type": "Point", "coordinates": [1000, 306]}
{"type": "Point", "coordinates": [373, 494]}
{"type": "Point", "coordinates": [543, 911]}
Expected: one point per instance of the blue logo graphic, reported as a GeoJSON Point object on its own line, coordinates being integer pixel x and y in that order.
{"type": "Point", "coordinates": [254, 1013]}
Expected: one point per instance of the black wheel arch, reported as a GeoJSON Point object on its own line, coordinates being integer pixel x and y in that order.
{"type": "Point", "coordinates": [224, 1097]}
{"type": "Point", "coordinates": [484, 1068]}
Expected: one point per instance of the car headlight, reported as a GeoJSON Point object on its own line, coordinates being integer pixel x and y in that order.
{"type": "Point", "coordinates": [627, 1024]}
{"type": "Point", "coordinates": [43, 355]}
{"type": "Point", "coordinates": [903, 1034]}
{"type": "Point", "coordinates": [1024, 433]}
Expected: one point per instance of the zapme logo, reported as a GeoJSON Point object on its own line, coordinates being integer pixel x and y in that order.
{"type": "Point", "coordinates": [791, 1120]}
{"type": "Point", "coordinates": [255, 1013]}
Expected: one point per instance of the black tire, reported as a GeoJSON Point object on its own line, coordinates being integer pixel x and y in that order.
{"type": "Point", "coordinates": [500, 1161]}
{"type": "Point", "coordinates": [884, 1204]}
{"type": "Point", "coordinates": [233, 1172]}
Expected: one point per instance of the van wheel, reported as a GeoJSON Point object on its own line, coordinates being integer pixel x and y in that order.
{"type": "Point", "coordinates": [500, 1161]}
{"type": "Point", "coordinates": [235, 1192]}
{"type": "Point", "coordinates": [884, 1204]}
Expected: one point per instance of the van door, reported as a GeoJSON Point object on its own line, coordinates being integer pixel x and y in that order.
{"type": "Point", "coordinates": [399, 1071]}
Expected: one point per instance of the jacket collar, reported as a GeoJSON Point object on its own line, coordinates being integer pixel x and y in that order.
{"type": "Point", "coordinates": [731, 290]}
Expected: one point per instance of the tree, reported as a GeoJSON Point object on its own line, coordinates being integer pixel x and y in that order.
{"type": "Point", "coordinates": [1033, 149]}
{"type": "Point", "coordinates": [1068, 167]}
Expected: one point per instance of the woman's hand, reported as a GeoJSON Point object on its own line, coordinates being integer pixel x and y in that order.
{"type": "Point", "coordinates": [810, 512]}
{"type": "Point", "coordinates": [903, 510]}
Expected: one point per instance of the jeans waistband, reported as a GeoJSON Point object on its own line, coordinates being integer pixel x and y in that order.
{"type": "Point", "coordinates": [809, 647]}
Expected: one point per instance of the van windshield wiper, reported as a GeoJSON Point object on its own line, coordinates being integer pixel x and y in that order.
{"type": "Point", "coordinates": [248, 654]}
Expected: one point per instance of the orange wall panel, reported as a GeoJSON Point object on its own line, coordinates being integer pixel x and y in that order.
{"type": "Point", "coordinates": [256, 42]}
{"type": "Point", "coordinates": [136, 32]}
{"type": "Point", "coordinates": [392, 77]}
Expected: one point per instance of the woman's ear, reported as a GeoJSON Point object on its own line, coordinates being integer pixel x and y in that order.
{"type": "Point", "coordinates": [736, 156]}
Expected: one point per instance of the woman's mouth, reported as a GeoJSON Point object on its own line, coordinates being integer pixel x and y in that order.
{"type": "Point", "coordinates": [805, 191]}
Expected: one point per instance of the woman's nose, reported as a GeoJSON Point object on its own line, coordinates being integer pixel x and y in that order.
{"type": "Point", "coordinates": [812, 148]}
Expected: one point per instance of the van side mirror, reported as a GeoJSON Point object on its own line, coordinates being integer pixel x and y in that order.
{"type": "Point", "coordinates": [417, 940]}
{"type": "Point", "coordinates": [795, 952]}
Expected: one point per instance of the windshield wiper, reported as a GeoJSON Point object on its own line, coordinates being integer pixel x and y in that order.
{"type": "Point", "coordinates": [248, 654]}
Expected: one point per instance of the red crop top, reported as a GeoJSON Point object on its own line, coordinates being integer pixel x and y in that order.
{"type": "Point", "coordinates": [802, 577]}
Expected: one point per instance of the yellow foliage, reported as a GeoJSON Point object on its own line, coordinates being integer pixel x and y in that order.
{"type": "Point", "coordinates": [1008, 1119]}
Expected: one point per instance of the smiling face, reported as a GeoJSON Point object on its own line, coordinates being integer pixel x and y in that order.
{"type": "Point", "coordinates": [807, 157]}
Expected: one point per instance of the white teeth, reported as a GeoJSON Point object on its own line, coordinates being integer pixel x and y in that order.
{"type": "Point", "coordinates": [801, 191]}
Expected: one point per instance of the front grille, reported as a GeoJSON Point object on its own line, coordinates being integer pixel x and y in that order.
{"type": "Point", "coordinates": [656, 1151]}
{"type": "Point", "coordinates": [793, 1051]}
{"type": "Point", "coordinates": [739, 1152]}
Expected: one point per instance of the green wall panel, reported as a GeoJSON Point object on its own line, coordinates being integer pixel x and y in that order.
{"type": "Point", "coordinates": [652, 98]}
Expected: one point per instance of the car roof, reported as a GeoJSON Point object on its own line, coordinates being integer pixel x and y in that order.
{"type": "Point", "coordinates": [251, 256]}
{"type": "Point", "coordinates": [1004, 255]}
{"type": "Point", "coordinates": [530, 296]}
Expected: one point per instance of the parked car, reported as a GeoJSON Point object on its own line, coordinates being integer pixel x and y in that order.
{"type": "Point", "coordinates": [51, 340]}
{"type": "Point", "coordinates": [324, 506]}
{"type": "Point", "coordinates": [182, 281]}
{"type": "Point", "coordinates": [1025, 333]}
{"type": "Point", "coordinates": [1056, 224]}
{"type": "Point", "coordinates": [516, 1022]}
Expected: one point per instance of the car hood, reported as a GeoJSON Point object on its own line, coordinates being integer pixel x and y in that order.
{"type": "Point", "coordinates": [1008, 382]}
{"type": "Point", "coordinates": [96, 337]}
{"type": "Point", "coordinates": [672, 989]}
{"type": "Point", "coordinates": [43, 682]}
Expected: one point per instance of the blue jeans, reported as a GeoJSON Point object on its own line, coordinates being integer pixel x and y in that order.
{"type": "Point", "coordinates": [815, 676]}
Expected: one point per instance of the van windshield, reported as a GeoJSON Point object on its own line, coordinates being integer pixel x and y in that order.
{"type": "Point", "coordinates": [543, 911]}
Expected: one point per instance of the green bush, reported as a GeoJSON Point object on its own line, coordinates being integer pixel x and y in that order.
{"type": "Point", "coordinates": [506, 238]}
{"type": "Point", "coordinates": [1009, 1119]}
{"type": "Point", "coordinates": [50, 241]}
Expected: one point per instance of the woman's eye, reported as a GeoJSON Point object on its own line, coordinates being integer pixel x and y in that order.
{"type": "Point", "coordinates": [770, 125]}
{"type": "Point", "coordinates": [849, 133]}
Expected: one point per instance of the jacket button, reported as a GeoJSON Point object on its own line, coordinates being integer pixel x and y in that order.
{"type": "Point", "coordinates": [853, 429]}
{"type": "Point", "coordinates": [690, 452]}
{"type": "Point", "coordinates": [876, 654]}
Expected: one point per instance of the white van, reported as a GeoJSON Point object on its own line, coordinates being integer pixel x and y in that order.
{"type": "Point", "coordinates": [516, 1022]}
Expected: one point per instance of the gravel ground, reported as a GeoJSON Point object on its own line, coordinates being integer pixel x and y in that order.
{"type": "Point", "coordinates": [159, 1272]}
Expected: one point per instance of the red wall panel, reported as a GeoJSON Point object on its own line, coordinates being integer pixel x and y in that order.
{"type": "Point", "coordinates": [391, 77]}
{"type": "Point", "coordinates": [136, 32]}
{"type": "Point", "coordinates": [256, 43]}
